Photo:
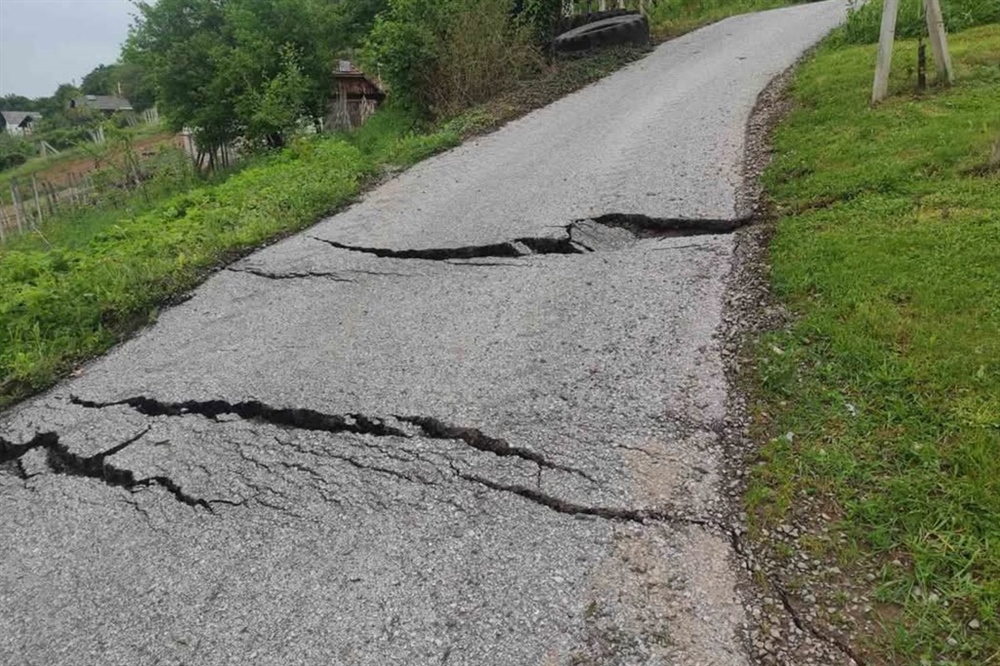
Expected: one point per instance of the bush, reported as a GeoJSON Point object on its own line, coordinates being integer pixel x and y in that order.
{"type": "Point", "coordinates": [442, 56]}
{"type": "Point", "coordinates": [63, 138]}
{"type": "Point", "coordinates": [13, 151]}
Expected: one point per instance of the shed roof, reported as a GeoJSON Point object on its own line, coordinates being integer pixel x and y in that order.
{"type": "Point", "coordinates": [15, 118]}
{"type": "Point", "coordinates": [103, 102]}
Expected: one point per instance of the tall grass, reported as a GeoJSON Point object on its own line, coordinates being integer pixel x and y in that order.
{"type": "Point", "coordinates": [669, 18]}
{"type": "Point", "coordinates": [485, 52]}
{"type": "Point", "coordinates": [865, 18]}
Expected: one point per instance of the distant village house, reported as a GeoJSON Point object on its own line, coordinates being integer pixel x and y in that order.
{"type": "Point", "coordinates": [18, 123]}
{"type": "Point", "coordinates": [106, 104]}
{"type": "Point", "coordinates": [353, 99]}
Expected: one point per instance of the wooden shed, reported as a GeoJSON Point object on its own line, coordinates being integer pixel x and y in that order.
{"type": "Point", "coordinates": [353, 99]}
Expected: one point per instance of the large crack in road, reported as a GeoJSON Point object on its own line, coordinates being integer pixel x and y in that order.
{"type": "Point", "coordinates": [578, 237]}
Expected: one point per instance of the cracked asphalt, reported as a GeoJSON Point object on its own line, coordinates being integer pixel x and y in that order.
{"type": "Point", "coordinates": [474, 419]}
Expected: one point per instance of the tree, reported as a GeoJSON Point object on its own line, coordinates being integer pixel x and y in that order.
{"type": "Point", "coordinates": [230, 68]}
{"type": "Point", "coordinates": [14, 102]}
{"type": "Point", "coordinates": [127, 79]}
{"type": "Point", "coordinates": [98, 81]}
{"type": "Point", "coordinates": [183, 44]}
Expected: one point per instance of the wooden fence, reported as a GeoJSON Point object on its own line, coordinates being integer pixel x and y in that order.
{"type": "Point", "coordinates": [25, 205]}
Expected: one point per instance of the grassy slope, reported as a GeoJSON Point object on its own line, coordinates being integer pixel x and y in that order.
{"type": "Point", "coordinates": [888, 250]}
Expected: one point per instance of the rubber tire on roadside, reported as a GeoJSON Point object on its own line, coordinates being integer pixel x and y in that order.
{"type": "Point", "coordinates": [627, 29]}
{"type": "Point", "coordinates": [568, 23]}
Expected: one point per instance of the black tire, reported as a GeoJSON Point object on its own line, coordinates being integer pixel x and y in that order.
{"type": "Point", "coordinates": [626, 29]}
{"type": "Point", "coordinates": [570, 22]}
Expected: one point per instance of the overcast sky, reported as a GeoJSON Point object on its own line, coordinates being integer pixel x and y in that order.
{"type": "Point", "coordinates": [47, 42]}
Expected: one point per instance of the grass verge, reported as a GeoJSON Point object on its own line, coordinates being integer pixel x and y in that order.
{"type": "Point", "coordinates": [671, 18]}
{"type": "Point", "coordinates": [887, 251]}
{"type": "Point", "coordinates": [97, 277]}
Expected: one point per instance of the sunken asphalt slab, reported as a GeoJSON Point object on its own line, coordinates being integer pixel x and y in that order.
{"type": "Point", "coordinates": [454, 424]}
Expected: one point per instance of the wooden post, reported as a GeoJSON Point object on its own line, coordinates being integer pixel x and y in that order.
{"type": "Point", "coordinates": [18, 205]}
{"type": "Point", "coordinates": [53, 197]}
{"type": "Point", "coordinates": [3, 221]}
{"type": "Point", "coordinates": [880, 88]}
{"type": "Point", "coordinates": [38, 205]}
{"type": "Point", "coordinates": [939, 40]}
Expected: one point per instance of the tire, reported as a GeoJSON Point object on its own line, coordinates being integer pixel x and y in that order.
{"type": "Point", "coordinates": [626, 29]}
{"type": "Point", "coordinates": [571, 22]}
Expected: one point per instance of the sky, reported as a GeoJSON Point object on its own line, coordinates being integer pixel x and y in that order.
{"type": "Point", "coordinates": [47, 42]}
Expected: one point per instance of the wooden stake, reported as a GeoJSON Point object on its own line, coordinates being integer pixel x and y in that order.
{"type": "Point", "coordinates": [53, 197]}
{"type": "Point", "coordinates": [939, 40]}
{"type": "Point", "coordinates": [38, 205]}
{"type": "Point", "coordinates": [18, 205]}
{"type": "Point", "coordinates": [880, 88]}
{"type": "Point", "coordinates": [3, 221]}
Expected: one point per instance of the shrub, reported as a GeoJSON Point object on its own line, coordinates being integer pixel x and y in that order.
{"type": "Point", "coordinates": [442, 56]}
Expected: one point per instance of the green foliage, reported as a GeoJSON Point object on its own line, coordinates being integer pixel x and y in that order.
{"type": "Point", "coordinates": [890, 377]}
{"type": "Point", "coordinates": [540, 15]}
{"type": "Point", "coordinates": [14, 102]}
{"type": "Point", "coordinates": [128, 80]}
{"type": "Point", "coordinates": [277, 105]}
{"type": "Point", "coordinates": [14, 150]}
{"type": "Point", "coordinates": [864, 19]}
{"type": "Point", "coordinates": [669, 18]}
{"type": "Point", "coordinates": [442, 56]}
{"type": "Point", "coordinates": [237, 68]}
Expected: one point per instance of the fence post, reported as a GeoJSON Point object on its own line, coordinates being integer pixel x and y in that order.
{"type": "Point", "coordinates": [38, 205]}
{"type": "Point", "coordinates": [880, 88]}
{"type": "Point", "coordinates": [18, 205]}
{"type": "Point", "coordinates": [939, 40]}
{"type": "Point", "coordinates": [73, 194]}
{"type": "Point", "coordinates": [53, 197]}
{"type": "Point", "coordinates": [3, 221]}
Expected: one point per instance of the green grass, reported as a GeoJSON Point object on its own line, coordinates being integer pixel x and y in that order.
{"type": "Point", "coordinates": [887, 250]}
{"type": "Point", "coordinates": [670, 18]}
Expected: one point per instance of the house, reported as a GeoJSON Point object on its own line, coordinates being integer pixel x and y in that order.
{"type": "Point", "coordinates": [18, 122]}
{"type": "Point", "coordinates": [106, 104]}
{"type": "Point", "coordinates": [353, 99]}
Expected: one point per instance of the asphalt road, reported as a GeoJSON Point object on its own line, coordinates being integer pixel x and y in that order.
{"type": "Point", "coordinates": [451, 425]}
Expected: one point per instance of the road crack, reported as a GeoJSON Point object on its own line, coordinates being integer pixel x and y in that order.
{"type": "Point", "coordinates": [644, 226]}
{"type": "Point", "coordinates": [573, 509]}
{"type": "Point", "coordinates": [520, 247]}
{"type": "Point", "coordinates": [253, 410]}
{"type": "Point", "coordinates": [477, 439]}
{"type": "Point", "coordinates": [575, 239]}
{"type": "Point", "coordinates": [354, 423]}
{"type": "Point", "coordinates": [60, 460]}
{"type": "Point", "coordinates": [802, 623]}
{"type": "Point", "coordinates": [292, 275]}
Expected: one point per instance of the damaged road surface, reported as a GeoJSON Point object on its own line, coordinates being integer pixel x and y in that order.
{"type": "Point", "coordinates": [476, 419]}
